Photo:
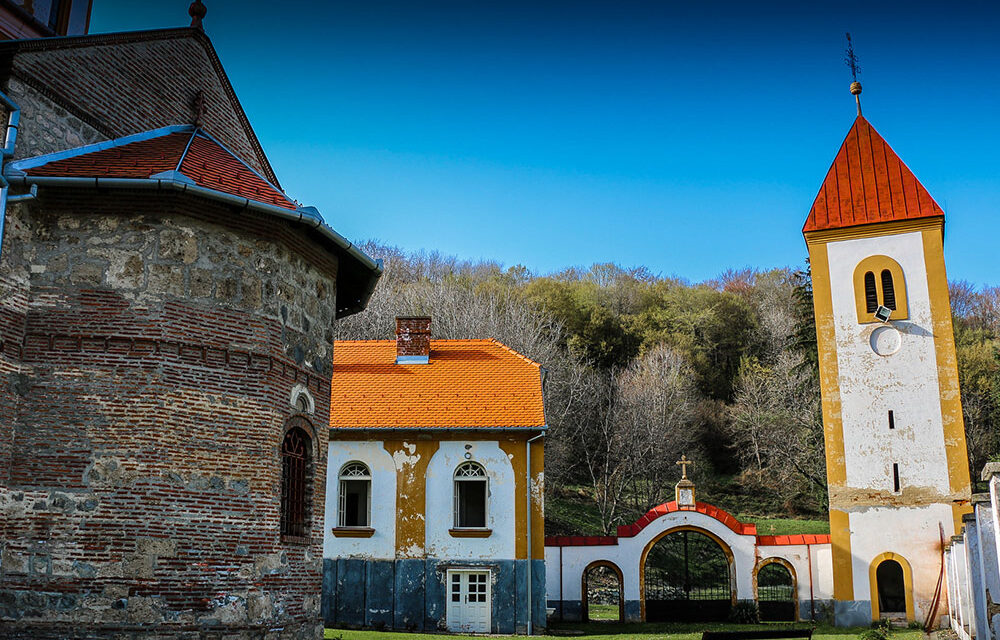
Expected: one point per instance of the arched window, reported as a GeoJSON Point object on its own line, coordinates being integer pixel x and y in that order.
{"type": "Point", "coordinates": [355, 495]}
{"type": "Point", "coordinates": [471, 491]}
{"type": "Point", "coordinates": [295, 454]}
{"type": "Point", "coordinates": [871, 295]}
{"type": "Point", "coordinates": [878, 280]}
{"type": "Point", "coordinates": [888, 293]}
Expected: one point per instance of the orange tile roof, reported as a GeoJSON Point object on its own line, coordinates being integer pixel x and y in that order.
{"type": "Point", "coordinates": [476, 384]}
{"type": "Point", "coordinates": [868, 183]}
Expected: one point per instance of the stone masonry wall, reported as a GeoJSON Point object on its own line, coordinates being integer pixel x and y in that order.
{"type": "Point", "coordinates": [45, 126]}
{"type": "Point", "coordinates": [161, 337]}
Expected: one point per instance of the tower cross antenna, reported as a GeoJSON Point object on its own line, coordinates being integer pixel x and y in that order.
{"type": "Point", "coordinates": [851, 61]}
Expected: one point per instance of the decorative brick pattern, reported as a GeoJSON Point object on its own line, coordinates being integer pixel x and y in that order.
{"type": "Point", "coordinates": [149, 345]}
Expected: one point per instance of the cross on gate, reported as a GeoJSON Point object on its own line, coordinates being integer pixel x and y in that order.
{"type": "Point", "coordinates": [684, 462]}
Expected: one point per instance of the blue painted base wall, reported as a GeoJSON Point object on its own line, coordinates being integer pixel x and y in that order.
{"type": "Point", "coordinates": [410, 594]}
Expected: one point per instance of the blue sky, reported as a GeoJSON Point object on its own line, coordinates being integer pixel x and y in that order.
{"type": "Point", "coordinates": [689, 137]}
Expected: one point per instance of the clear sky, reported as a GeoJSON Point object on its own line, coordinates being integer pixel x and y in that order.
{"type": "Point", "coordinates": [689, 137]}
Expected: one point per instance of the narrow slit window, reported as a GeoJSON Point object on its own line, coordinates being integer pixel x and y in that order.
{"type": "Point", "coordinates": [895, 477]}
{"type": "Point", "coordinates": [871, 295]}
{"type": "Point", "coordinates": [892, 420]}
{"type": "Point", "coordinates": [888, 292]}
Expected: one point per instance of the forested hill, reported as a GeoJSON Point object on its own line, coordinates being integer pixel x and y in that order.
{"type": "Point", "coordinates": [643, 368]}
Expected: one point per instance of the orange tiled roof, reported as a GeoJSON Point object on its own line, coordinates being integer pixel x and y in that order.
{"type": "Point", "coordinates": [476, 384]}
{"type": "Point", "coordinates": [198, 156]}
{"type": "Point", "coordinates": [868, 183]}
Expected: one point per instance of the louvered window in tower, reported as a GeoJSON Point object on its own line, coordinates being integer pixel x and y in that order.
{"type": "Point", "coordinates": [871, 296]}
{"type": "Point", "coordinates": [294, 483]}
{"type": "Point", "coordinates": [888, 292]}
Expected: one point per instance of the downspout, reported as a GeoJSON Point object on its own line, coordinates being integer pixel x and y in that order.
{"type": "Point", "coordinates": [13, 118]}
{"type": "Point", "coordinates": [812, 597]}
{"type": "Point", "coordinates": [527, 448]}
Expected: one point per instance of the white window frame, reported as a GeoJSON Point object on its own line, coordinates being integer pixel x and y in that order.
{"type": "Point", "coordinates": [350, 472]}
{"type": "Point", "coordinates": [462, 476]}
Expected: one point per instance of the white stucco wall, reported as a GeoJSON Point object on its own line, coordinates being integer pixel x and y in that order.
{"type": "Point", "coordinates": [799, 555]}
{"type": "Point", "coordinates": [440, 502]}
{"type": "Point", "coordinates": [906, 382]}
{"type": "Point", "coordinates": [627, 555]}
{"type": "Point", "coordinates": [382, 545]}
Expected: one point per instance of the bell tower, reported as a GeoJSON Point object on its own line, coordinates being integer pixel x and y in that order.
{"type": "Point", "coordinates": [897, 465]}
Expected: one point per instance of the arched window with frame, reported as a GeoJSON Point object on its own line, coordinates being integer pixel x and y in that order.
{"type": "Point", "coordinates": [471, 496]}
{"type": "Point", "coordinates": [296, 451]}
{"type": "Point", "coordinates": [878, 280]}
{"type": "Point", "coordinates": [355, 495]}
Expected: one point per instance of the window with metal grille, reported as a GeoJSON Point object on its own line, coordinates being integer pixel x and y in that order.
{"type": "Point", "coordinates": [888, 293]}
{"type": "Point", "coordinates": [471, 491]}
{"type": "Point", "coordinates": [871, 296]}
{"type": "Point", "coordinates": [294, 483]}
{"type": "Point", "coordinates": [355, 495]}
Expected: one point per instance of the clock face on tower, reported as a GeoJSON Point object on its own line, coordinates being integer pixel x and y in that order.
{"type": "Point", "coordinates": [685, 497]}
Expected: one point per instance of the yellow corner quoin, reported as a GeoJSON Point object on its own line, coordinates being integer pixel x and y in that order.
{"type": "Point", "coordinates": [876, 265]}
{"type": "Point", "coordinates": [952, 420]}
{"type": "Point", "coordinates": [515, 451]}
{"type": "Point", "coordinates": [840, 549]}
{"type": "Point", "coordinates": [907, 583]}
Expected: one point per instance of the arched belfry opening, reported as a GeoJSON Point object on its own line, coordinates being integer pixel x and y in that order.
{"type": "Point", "coordinates": [687, 577]}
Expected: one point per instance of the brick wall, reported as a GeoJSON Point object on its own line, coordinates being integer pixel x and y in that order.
{"type": "Point", "coordinates": [162, 338]}
{"type": "Point", "coordinates": [122, 84]}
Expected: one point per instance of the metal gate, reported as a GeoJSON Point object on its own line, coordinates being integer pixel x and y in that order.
{"type": "Point", "coordinates": [776, 595]}
{"type": "Point", "coordinates": [687, 579]}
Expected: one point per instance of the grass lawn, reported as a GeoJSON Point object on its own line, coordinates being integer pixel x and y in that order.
{"type": "Point", "coordinates": [786, 526]}
{"type": "Point", "coordinates": [615, 631]}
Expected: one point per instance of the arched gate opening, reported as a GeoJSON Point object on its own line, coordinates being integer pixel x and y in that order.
{"type": "Point", "coordinates": [776, 591]}
{"type": "Point", "coordinates": [686, 576]}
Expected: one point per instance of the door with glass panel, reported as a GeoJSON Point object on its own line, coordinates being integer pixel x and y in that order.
{"type": "Point", "coordinates": [469, 601]}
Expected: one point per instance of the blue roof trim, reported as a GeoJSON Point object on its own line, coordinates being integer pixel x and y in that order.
{"type": "Point", "coordinates": [17, 167]}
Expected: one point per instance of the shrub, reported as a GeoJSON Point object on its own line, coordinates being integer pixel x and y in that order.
{"type": "Point", "coordinates": [746, 612]}
{"type": "Point", "coordinates": [876, 633]}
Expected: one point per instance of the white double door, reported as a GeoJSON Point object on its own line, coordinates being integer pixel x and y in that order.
{"type": "Point", "coordinates": [469, 601]}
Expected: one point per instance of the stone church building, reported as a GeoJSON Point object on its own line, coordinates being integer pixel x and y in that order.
{"type": "Point", "coordinates": [166, 339]}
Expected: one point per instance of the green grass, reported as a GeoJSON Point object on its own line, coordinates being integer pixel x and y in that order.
{"type": "Point", "coordinates": [602, 611]}
{"type": "Point", "coordinates": [786, 526]}
{"type": "Point", "coordinates": [615, 631]}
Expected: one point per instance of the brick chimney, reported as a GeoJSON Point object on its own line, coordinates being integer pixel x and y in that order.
{"type": "Point", "coordinates": [413, 340]}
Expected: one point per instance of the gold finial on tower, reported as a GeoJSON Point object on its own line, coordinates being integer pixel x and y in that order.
{"type": "Point", "coordinates": [851, 61]}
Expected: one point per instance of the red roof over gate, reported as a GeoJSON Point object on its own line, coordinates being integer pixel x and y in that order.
{"type": "Point", "coordinates": [868, 183]}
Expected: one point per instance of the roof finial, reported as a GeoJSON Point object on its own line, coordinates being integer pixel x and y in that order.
{"type": "Point", "coordinates": [197, 11]}
{"type": "Point", "coordinates": [852, 61]}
